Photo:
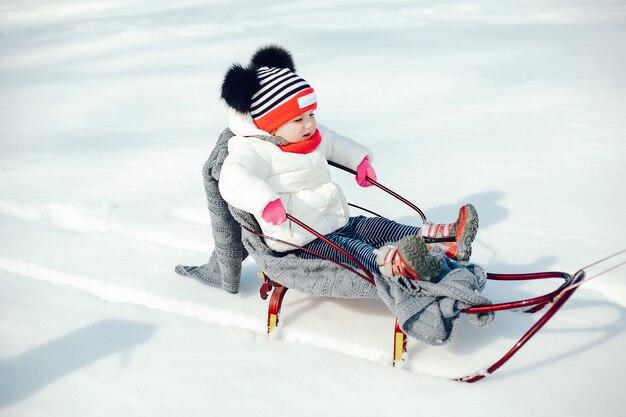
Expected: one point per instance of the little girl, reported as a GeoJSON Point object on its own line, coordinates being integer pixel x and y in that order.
{"type": "Point", "coordinates": [278, 164]}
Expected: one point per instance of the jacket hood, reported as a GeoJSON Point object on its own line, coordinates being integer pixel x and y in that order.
{"type": "Point", "coordinates": [241, 124]}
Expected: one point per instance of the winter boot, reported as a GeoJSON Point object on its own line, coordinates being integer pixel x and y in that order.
{"type": "Point", "coordinates": [409, 259]}
{"type": "Point", "coordinates": [454, 238]}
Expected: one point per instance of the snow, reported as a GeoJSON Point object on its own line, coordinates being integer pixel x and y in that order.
{"type": "Point", "coordinates": [109, 109]}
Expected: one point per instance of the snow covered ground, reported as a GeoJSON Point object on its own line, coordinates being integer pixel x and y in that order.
{"type": "Point", "coordinates": [109, 109]}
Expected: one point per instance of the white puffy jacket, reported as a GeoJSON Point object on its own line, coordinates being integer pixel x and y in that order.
{"type": "Point", "coordinates": [257, 172]}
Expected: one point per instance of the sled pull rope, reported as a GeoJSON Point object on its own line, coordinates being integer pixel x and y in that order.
{"type": "Point", "coordinates": [537, 303]}
{"type": "Point", "coordinates": [603, 260]}
{"type": "Point", "coordinates": [587, 279]}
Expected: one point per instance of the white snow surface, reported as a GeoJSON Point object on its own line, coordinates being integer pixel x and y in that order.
{"type": "Point", "coordinates": [108, 110]}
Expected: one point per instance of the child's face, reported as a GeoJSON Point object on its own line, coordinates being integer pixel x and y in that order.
{"type": "Point", "coordinates": [298, 129]}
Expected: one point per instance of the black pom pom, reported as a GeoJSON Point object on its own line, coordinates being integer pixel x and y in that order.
{"type": "Point", "coordinates": [272, 56]}
{"type": "Point", "coordinates": [238, 87]}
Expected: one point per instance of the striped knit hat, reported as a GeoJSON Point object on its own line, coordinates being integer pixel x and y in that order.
{"type": "Point", "coordinates": [283, 96]}
{"type": "Point", "coordinates": [268, 89]}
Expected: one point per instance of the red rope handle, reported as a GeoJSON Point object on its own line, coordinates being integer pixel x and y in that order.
{"type": "Point", "coordinates": [367, 276]}
{"type": "Point", "coordinates": [370, 277]}
{"type": "Point", "coordinates": [382, 187]}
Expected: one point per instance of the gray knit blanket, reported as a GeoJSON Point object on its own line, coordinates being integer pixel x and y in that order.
{"type": "Point", "coordinates": [425, 311]}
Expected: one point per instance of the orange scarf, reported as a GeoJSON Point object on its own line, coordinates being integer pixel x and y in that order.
{"type": "Point", "coordinates": [307, 146]}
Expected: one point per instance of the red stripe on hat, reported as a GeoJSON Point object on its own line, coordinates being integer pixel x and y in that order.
{"type": "Point", "coordinates": [283, 113]}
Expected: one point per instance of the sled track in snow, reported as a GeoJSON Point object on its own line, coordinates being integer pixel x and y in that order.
{"type": "Point", "coordinates": [116, 293]}
{"type": "Point", "coordinates": [122, 294]}
{"type": "Point", "coordinates": [77, 219]}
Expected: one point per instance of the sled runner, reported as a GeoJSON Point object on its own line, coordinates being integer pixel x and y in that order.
{"type": "Point", "coordinates": [556, 299]}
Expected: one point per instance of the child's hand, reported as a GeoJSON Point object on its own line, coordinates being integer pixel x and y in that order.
{"type": "Point", "coordinates": [364, 170]}
{"type": "Point", "coordinates": [275, 212]}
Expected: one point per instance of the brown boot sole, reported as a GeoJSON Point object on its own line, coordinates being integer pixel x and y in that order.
{"type": "Point", "coordinates": [415, 255]}
{"type": "Point", "coordinates": [464, 246]}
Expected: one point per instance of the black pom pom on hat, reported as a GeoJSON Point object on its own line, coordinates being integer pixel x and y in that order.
{"type": "Point", "coordinates": [238, 87]}
{"type": "Point", "coordinates": [268, 88]}
{"type": "Point", "coordinates": [273, 56]}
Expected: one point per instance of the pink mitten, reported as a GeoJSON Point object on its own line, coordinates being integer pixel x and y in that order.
{"type": "Point", "coordinates": [274, 212]}
{"type": "Point", "coordinates": [364, 170]}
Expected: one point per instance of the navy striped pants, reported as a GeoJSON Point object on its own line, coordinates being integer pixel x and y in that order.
{"type": "Point", "coordinates": [359, 238]}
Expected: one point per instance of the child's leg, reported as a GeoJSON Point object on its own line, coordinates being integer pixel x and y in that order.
{"type": "Point", "coordinates": [360, 238]}
{"type": "Point", "coordinates": [378, 231]}
{"type": "Point", "coordinates": [462, 232]}
{"type": "Point", "coordinates": [360, 250]}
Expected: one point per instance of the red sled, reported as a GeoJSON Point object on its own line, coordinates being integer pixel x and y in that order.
{"type": "Point", "coordinates": [553, 300]}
